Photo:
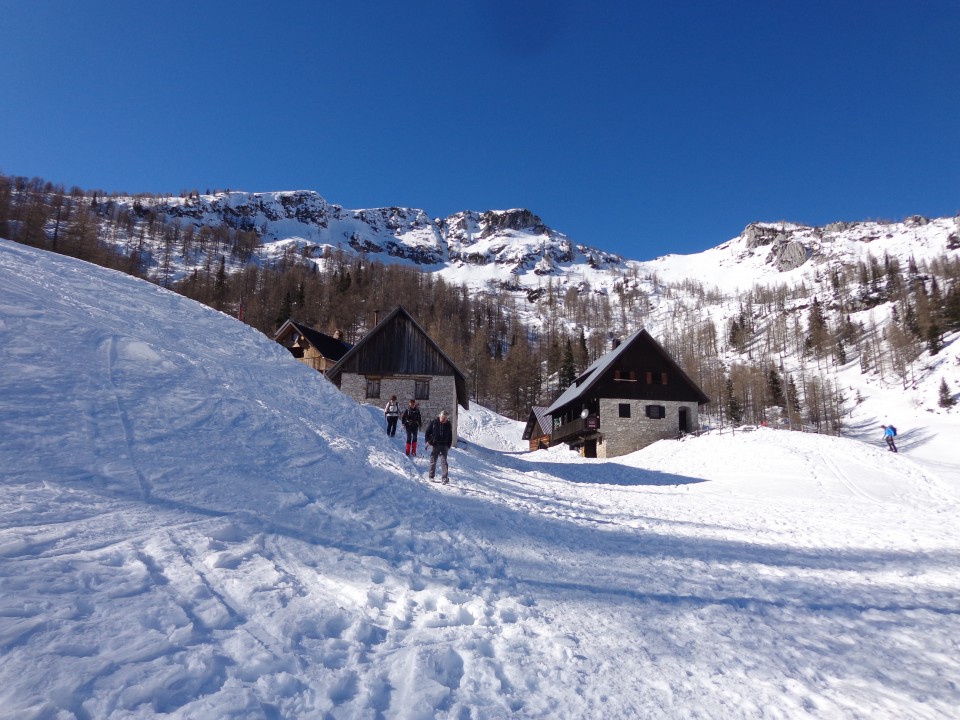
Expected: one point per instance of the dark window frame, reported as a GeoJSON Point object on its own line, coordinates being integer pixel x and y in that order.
{"type": "Point", "coordinates": [421, 389]}
{"type": "Point", "coordinates": [624, 410]}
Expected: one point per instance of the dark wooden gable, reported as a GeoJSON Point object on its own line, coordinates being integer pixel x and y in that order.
{"type": "Point", "coordinates": [639, 369]}
{"type": "Point", "coordinates": [644, 371]}
{"type": "Point", "coordinates": [399, 346]}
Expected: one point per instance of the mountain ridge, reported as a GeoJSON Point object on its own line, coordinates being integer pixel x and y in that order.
{"type": "Point", "coordinates": [515, 248]}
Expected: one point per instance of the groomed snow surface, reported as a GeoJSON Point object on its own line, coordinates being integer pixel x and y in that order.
{"type": "Point", "coordinates": [194, 525]}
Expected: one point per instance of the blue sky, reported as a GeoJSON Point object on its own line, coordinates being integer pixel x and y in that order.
{"type": "Point", "coordinates": [642, 128]}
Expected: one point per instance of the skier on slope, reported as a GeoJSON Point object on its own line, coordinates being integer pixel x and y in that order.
{"type": "Point", "coordinates": [889, 433]}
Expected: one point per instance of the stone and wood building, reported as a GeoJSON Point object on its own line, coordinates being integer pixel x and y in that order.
{"type": "Point", "coordinates": [398, 357]}
{"type": "Point", "coordinates": [310, 346]}
{"type": "Point", "coordinates": [629, 398]}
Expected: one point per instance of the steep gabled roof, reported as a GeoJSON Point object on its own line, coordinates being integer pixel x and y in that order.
{"type": "Point", "coordinates": [586, 381]}
{"type": "Point", "coordinates": [398, 345]}
{"type": "Point", "coordinates": [329, 347]}
{"type": "Point", "coordinates": [538, 416]}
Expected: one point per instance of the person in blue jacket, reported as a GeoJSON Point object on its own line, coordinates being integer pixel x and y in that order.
{"type": "Point", "coordinates": [889, 433]}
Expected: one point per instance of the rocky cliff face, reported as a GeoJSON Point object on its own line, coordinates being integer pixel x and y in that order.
{"type": "Point", "coordinates": [515, 242]}
{"type": "Point", "coordinates": [787, 246]}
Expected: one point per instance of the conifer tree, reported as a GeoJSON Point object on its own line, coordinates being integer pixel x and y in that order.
{"type": "Point", "coordinates": [776, 388]}
{"type": "Point", "coordinates": [934, 340]}
{"type": "Point", "coordinates": [734, 409]}
{"type": "Point", "coordinates": [794, 407]}
{"type": "Point", "coordinates": [946, 397]}
{"type": "Point", "coordinates": [568, 369]}
{"type": "Point", "coordinates": [817, 334]}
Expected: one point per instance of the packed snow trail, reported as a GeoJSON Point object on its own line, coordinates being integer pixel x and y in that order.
{"type": "Point", "coordinates": [192, 524]}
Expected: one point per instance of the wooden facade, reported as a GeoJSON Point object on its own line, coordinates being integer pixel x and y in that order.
{"type": "Point", "coordinates": [539, 429]}
{"type": "Point", "coordinates": [631, 397]}
{"type": "Point", "coordinates": [310, 346]}
{"type": "Point", "coordinates": [398, 357]}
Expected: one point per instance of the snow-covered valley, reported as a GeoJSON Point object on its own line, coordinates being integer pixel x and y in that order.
{"type": "Point", "coordinates": [193, 525]}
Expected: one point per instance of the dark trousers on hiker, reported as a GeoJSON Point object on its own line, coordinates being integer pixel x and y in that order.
{"type": "Point", "coordinates": [890, 444]}
{"type": "Point", "coordinates": [392, 425]}
{"type": "Point", "coordinates": [439, 451]}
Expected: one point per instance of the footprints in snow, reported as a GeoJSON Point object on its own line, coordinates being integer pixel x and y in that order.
{"type": "Point", "coordinates": [368, 634]}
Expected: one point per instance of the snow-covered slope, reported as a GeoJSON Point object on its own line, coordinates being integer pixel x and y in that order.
{"type": "Point", "coordinates": [787, 253]}
{"type": "Point", "coordinates": [193, 525]}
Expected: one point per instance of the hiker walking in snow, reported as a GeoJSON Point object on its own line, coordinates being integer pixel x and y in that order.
{"type": "Point", "coordinates": [439, 436]}
{"type": "Point", "coordinates": [411, 421]}
{"type": "Point", "coordinates": [889, 433]}
{"type": "Point", "coordinates": [392, 413]}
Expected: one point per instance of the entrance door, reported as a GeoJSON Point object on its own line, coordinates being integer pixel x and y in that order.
{"type": "Point", "coordinates": [684, 420]}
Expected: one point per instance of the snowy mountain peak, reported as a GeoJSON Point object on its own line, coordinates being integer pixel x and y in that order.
{"type": "Point", "coordinates": [785, 253]}
{"type": "Point", "coordinates": [515, 244]}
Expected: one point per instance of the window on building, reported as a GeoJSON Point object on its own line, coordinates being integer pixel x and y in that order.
{"type": "Point", "coordinates": [421, 390]}
{"type": "Point", "coordinates": [649, 378]}
{"type": "Point", "coordinates": [656, 412]}
{"type": "Point", "coordinates": [373, 388]}
{"type": "Point", "coordinates": [663, 378]}
{"type": "Point", "coordinates": [624, 410]}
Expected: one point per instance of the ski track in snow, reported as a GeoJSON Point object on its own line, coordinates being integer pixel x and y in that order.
{"type": "Point", "coordinates": [195, 526]}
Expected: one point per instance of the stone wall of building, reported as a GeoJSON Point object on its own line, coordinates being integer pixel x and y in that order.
{"type": "Point", "coordinates": [443, 394]}
{"type": "Point", "coordinates": [622, 435]}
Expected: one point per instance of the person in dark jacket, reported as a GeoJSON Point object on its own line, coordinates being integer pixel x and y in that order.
{"type": "Point", "coordinates": [411, 421]}
{"type": "Point", "coordinates": [392, 413]}
{"type": "Point", "coordinates": [439, 437]}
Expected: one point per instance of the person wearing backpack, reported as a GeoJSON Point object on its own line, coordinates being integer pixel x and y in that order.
{"type": "Point", "coordinates": [411, 420]}
{"type": "Point", "coordinates": [392, 413]}
{"type": "Point", "coordinates": [889, 433]}
{"type": "Point", "coordinates": [439, 436]}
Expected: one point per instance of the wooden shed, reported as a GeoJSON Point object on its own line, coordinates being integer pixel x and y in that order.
{"type": "Point", "coordinates": [310, 346]}
{"type": "Point", "coordinates": [539, 428]}
{"type": "Point", "coordinates": [398, 357]}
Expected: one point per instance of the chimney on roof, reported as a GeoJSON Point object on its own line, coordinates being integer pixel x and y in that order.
{"type": "Point", "coordinates": [615, 343]}
{"type": "Point", "coordinates": [338, 334]}
{"type": "Point", "coordinates": [376, 318]}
